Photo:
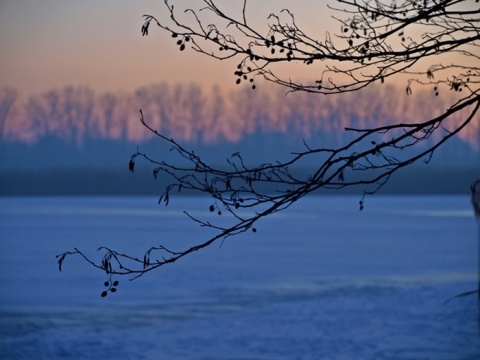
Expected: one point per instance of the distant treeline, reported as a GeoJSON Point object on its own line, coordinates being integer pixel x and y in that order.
{"type": "Point", "coordinates": [74, 141]}
{"type": "Point", "coordinates": [195, 115]}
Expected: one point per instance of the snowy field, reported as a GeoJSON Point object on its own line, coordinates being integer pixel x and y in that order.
{"type": "Point", "coordinates": [321, 280]}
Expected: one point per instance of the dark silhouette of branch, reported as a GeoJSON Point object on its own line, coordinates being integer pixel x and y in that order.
{"type": "Point", "coordinates": [378, 41]}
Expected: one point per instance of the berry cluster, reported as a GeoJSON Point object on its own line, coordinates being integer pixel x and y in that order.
{"type": "Point", "coordinates": [112, 287]}
{"type": "Point", "coordinates": [181, 42]}
{"type": "Point", "coordinates": [242, 75]}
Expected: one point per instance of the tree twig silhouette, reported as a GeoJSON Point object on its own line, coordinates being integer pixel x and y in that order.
{"type": "Point", "coordinates": [378, 41]}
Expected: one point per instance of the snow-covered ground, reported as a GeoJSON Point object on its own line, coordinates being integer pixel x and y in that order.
{"type": "Point", "coordinates": [318, 281]}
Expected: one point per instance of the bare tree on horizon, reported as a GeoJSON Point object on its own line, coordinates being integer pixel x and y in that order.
{"type": "Point", "coordinates": [429, 43]}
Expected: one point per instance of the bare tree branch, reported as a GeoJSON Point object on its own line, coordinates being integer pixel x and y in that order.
{"type": "Point", "coordinates": [378, 41]}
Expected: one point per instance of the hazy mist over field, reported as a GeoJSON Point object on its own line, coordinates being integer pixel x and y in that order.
{"type": "Point", "coordinates": [73, 140]}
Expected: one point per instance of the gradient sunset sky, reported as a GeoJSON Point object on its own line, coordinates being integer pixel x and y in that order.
{"type": "Point", "coordinates": [55, 43]}
{"type": "Point", "coordinates": [52, 44]}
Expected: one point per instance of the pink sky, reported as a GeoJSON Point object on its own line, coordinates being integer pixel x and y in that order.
{"type": "Point", "coordinates": [54, 43]}
{"type": "Point", "coordinates": [51, 44]}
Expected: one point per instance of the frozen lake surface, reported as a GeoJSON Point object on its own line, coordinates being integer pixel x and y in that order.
{"type": "Point", "coordinates": [319, 281]}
